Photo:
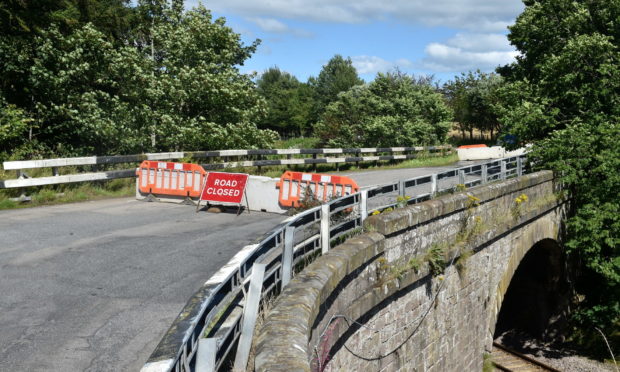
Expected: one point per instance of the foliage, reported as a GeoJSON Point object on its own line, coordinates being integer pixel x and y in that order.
{"type": "Point", "coordinates": [23, 17]}
{"type": "Point", "coordinates": [78, 101]}
{"type": "Point", "coordinates": [473, 98]}
{"type": "Point", "coordinates": [562, 94]}
{"type": "Point", "coordinates": [203, 100]}
{"type": "Point", "coordinates": [337, 76]}
{"type": "Point", "coordinates": [435, 256]}
{"type": "Point", "coordinates": [155, 79]}
{"type": "Point", "coordinates": [402, 201]}
{"type": "Point", "coordinates": [297, 143]}
{"type": "Point", "coordinates": [14, 124]}
{"type": "Point", "coordinates": [289, 102]}
{"type": "Point", "coordinates": [393, 110]}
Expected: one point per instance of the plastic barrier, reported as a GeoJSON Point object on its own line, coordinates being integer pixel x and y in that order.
{"type": "Point", "coordinates": [167, 178]}
{"type": "Point", "coordinates": [472, 146]}
{"type": "Point", "coordinates": [293, 185]}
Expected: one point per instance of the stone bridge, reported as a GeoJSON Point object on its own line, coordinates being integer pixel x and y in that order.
{"type": "Point", "coordinates": [426, 287]}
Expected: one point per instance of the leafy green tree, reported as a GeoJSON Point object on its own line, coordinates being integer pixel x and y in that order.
{"type": "Point", "coordinates": [473, 98]}
{"type": "Point", "coordinates": [14, 126]}
{"type": "Point", "coordinates": [88, 94]}
{"type": "Point", "coordinates": [202, 99]}
{"type": "Point", "coordinates": [563, 95]}
{"type": "Point", "coordinates": [338, 75]}
{"type": "Point", "coordinates": [393, 110]}
{"type": "Point", "coordinates": [289, 102]}
{"type": "Point", "coordinates": [23, 21]}
{"type": "Point", "coordinates": [23, 17]}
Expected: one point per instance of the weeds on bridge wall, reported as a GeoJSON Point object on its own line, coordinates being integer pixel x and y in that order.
{"type": "Point", "coordinates": [436, 257]}
{"type": "Point", "coordinates": [519, 206]}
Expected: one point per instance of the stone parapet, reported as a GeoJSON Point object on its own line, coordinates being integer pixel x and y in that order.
{"type": "Point", "coordinates": [378, 294]}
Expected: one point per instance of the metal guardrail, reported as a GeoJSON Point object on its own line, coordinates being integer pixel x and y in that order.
{"type": "Point", "coordinates": [217, 160]}
{"type": "Point", "coordinates": [217, 317]}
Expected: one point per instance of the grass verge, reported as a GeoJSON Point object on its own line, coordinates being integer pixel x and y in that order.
{"type": "Point", "coordinates": [68, 193]}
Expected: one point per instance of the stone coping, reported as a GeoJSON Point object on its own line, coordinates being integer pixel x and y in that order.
{"type": "Point", "coordinates": [404, 218]}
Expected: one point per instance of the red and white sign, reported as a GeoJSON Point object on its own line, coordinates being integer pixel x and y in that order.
{"type": "Point", "coordinates": [224, 187]}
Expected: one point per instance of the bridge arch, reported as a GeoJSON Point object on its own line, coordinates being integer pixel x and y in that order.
{"type": "Point", "coordinates": [537, 290]}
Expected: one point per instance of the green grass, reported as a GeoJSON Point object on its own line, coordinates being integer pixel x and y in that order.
{"type": "Point", "coordinates": [68, 193]}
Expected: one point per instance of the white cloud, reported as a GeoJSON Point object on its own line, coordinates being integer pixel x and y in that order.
{"type": "Point", "coordinates": [475, 15]}
{"type": "Point", "coordinates": [477, 42]}
{"type": "Point", "coordinates": [270, 25]}
{"type": "Point", "coordinates": [446, 58]}
{"type": "Point", "coordinates": [275, 26]}
{"type": "Point", "coordinates": [374, 64]}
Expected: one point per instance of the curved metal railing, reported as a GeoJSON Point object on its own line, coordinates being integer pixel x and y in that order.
{"type": "Point", "coordinates": [214, 317]}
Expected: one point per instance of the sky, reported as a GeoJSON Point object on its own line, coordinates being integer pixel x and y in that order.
{"type": "Point", "coordinates": [422, 37]}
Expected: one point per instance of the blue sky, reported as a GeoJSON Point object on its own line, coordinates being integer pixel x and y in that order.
{"type": "Point", "coordinates": [421, 37]}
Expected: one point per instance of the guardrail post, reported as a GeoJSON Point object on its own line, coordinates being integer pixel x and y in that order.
{"type": "Point", "coordinates": [287, 255]}
{"type": "Point", "coordinates": [205, 356]}
{"type": "Point", "coordinates": [484, 174]}
{"type": "Point", "coordinates": [55, 171]}
{"type": "Point", "coordinates": [503, 170]}
{"type": "Point", "coordinates": [324, 228]}
{"type": "Point", "coordinates": [401, 188]}
{"type": "Point", "coordinates": [519, 166]}
{"type": "Point", "coordinates": [250, 312]}
{"type": "Point", "coordinates": [462, 177]}
{"type": "Point", "coordinates": [363, 205]}
{"type": "Point", "coordinates": [433, 185]}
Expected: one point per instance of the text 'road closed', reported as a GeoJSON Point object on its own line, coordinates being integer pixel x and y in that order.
{"type": "Point", "coordinates": [224, 187]}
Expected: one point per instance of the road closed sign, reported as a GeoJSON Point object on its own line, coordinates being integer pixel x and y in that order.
{"type": "Point", "coordinates": [224, 187]}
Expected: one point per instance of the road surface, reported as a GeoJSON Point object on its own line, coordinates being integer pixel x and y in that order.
{"type": "Point", "coordinates": [382, 176]}
{"type": "Point", "coordinates": [93, 286]}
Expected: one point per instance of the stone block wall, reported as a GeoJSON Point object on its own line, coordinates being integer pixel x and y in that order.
{"type": "Point", "coordinates": [376, 303]}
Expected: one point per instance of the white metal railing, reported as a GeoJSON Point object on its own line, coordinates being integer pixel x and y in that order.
{"type": "Point", "coordinates": [220, 159]}
{"type": "Point", "coordinates": [223, 313]}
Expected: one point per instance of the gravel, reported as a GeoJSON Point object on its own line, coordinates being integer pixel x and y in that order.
{"type": "Point", "coordinates": [558, 357]}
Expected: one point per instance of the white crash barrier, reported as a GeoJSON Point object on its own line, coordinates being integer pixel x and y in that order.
{"type": "Point", "coordinates": [481, 153]}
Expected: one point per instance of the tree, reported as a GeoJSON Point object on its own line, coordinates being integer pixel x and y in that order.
{"type": "Point", "coordinates": [338, 75]}
{"type": "Point", "coordinates": [22, 21]}
{"type": "Point", "coordinates": [393, 110]}
{"type": "Point", "coordinates": [473, 98]}
{"type": "Point", "coordinates": [14, 126]}
{"type": "Point", "coordinates": [84, 92]}
{"type": "Point", "coordinates": [564, 94]}
{"type": "Point", "coordinates": [289, 102]}
{"type": "Point", "coordinates": [203, 100]}
{"type": "Point", "coordinates": [87, 94]}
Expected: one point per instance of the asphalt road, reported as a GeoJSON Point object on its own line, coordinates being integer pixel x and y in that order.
{"type": "Point", "coordinates": [93, 286]}
{"type": "Point", "coordinates": [383, 176]}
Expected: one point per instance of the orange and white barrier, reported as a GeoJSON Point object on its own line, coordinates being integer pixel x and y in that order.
{"type": "Point", "coordinates": [168, 178]}
{"type": "Point", "coordinates": [293, 185]}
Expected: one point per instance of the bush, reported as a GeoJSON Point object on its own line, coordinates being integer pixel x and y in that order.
{"type": "Point", "coordinates": [393, 110]}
